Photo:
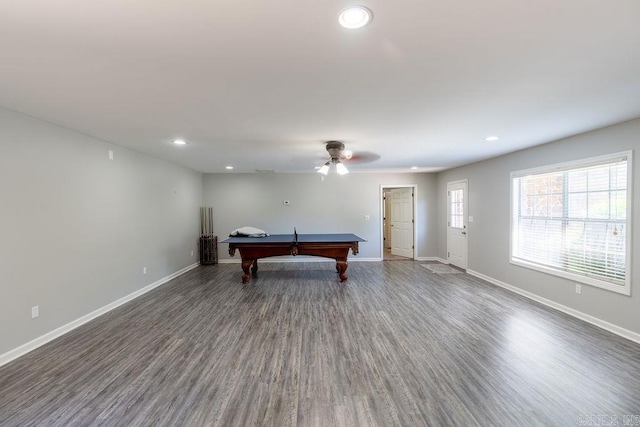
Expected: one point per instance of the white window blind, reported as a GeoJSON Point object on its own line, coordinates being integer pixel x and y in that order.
{"type": "Point", "coordinates": [573, 220]}
{"type": "Point", "coordinates": [457, 208]}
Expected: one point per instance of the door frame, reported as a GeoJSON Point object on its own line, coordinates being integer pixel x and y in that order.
{"type": "Point", "coordinates": [464, 181]}
{"type": "Point", "coordinates": [384, 187]}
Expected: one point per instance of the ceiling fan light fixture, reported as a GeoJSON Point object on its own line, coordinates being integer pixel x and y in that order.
{"type": "Point", "coordinates": [336, 151]}
{"type": "Point", "coordinates": [340, 168]}
{"type": "Point", "coordinates": [325, 168]}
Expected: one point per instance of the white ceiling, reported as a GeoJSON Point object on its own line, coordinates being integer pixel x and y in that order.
{"type": "Point", "coordinates": [263, 84]}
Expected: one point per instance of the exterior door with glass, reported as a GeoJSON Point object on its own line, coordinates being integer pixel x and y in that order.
{"type": "Point", "coordinates": [457, 237]}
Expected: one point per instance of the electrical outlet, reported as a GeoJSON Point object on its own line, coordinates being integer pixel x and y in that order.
{"type": "Point", "coordinates": [578, 289]}
{"type": "Point", "coordinates": [191, 253]}
{"type": "Point", "coordinates": [367, 217]}
{"type": "Point", "coordinates": [35, 311]}
{"type": "Point", "coordinates": [144, 270]}
{"type": "Point", "coordinates": [110, 155]}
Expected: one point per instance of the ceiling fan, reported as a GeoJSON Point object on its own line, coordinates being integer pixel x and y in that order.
{"type": "Point", "coordinates": [338, 154]}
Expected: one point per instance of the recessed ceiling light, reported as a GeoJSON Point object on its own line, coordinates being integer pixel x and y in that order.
{"type": "Point", "coordinates": [179, 141]}
{"type": "Point", "coordinates": [228, 167]}
{"type": "Point", "coordinates": [355, 17]}
{"type": "Point", "coordinates": [491, 138]}
{"type": "Point", "coordinates": [414, 167]}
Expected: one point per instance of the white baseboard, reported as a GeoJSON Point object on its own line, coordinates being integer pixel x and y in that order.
{"type": "Point", "coordinates": [50, 336]}
{"type": "Point", "coordinates": [625, 333]}
{"type": "Point", "coordinates": [298, 258]}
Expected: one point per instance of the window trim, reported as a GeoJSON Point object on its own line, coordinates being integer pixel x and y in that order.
{"type": "Point", "coordinates": [574, 164]}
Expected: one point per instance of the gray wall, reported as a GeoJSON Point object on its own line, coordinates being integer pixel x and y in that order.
{"type": "Point", "coordinates": [76, 228]}
{"type": "Point", "coordinates": [338, 204]}
{"type": "Point", "coordinates": [489, 204]}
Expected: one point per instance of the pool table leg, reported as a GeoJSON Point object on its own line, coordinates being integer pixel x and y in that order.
{"type": "Point", "coordinates": [246, 263]}
{"type": "Point", "coordinates": [341, 266]}
{"type": "Point", "coordinates": [254, 268]}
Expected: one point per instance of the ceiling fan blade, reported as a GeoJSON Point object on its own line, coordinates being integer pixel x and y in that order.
{"type": "Point", "coordinates": [363, 157]}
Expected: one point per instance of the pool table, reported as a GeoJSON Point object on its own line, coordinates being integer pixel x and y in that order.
{"type": "Point", "coordinates": [334, 246]}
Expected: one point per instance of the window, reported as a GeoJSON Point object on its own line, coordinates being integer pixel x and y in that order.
{"type": "Point", "coordinates": [574, 220]}
{"type": "Point", "coordinates": [457, 208]}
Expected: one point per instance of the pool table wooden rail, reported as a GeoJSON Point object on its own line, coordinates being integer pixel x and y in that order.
{"type": "Point", "coordinates": [334, 246]}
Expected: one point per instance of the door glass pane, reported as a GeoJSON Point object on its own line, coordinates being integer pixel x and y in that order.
{"type": "Point", "coordinates": [456, 208]}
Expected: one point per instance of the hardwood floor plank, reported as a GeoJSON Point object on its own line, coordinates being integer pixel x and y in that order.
{"type": "Point", "coordinates": [397, 345]}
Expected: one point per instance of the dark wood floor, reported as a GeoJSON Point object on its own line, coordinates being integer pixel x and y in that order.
{"type": "Point", "coordinates": [398, 345]}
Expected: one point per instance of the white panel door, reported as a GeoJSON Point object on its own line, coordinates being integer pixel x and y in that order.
{"type": "Point", "coordinates": [387, 220]}
{"type": "Point", "coordinates": [402, 222]}
{"type": "Point", "coordinates": [457, 223]}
